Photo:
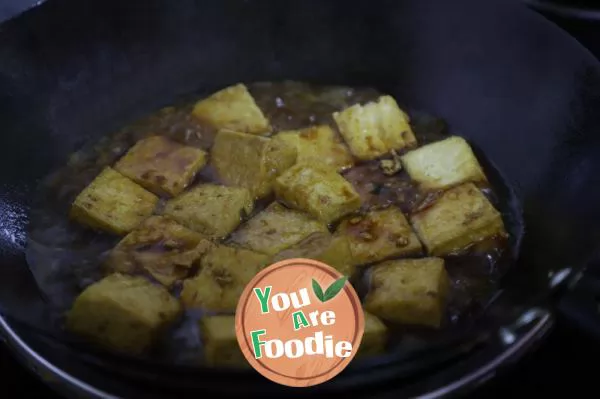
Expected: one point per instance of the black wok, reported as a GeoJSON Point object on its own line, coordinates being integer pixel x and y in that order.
{"type": "Point", "coordinates": [523, 92]}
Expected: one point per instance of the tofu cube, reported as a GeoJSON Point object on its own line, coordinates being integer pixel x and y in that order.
{"type": "Point", "coordinates": [232, 108]}
{"type": "Point", "coordinates": [224, 273]}
{"type": "Point", "coordinates": [210, 209]}
{"type": "Point", "coordinates": [318, 190]}
{"type": "Point", "coordinates": [221, 348]}
{"type": "Point", "coordinates": [330, 249]}
{"type": "Point", "coordinates": [443, 164]}
{"type": "Point", "coordinates": [374, 337]}
{"type": "Point", "coordinates": [275, 229]}
{"type": "Point", "coordinates": [252, 162]}
{"type": "Point", "coordinates": [318, 144]}
{"type": "Point", "coordinates": [161, 166]}
{"type": "Point", "coordinates": [125, 313]}
{"type": "Point", "coordinates": [379, 235]}
{"type": "Point", "coordinates": [409, 291]}
{"type": "Point", "coordinates": [160, 247]}
{"type": "Point", "coordinates": [113, 203]}
{"type": "Point", "coordinates": [460, 217]}
{"type": "Point", "coordinates": [375, 129]}
{"type": "Point", "coordinates": [338, 255]}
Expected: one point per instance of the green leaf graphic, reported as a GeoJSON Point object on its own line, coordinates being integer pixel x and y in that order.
{"type": "Point", "coordinates": [334, 288]}
{"type": "Point", "coordinates": [317, 290]}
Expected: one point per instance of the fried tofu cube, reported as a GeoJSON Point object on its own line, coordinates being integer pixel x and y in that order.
{"type": "Point", "coordinates": [252, 162]}
{"type": "Point", "coordinates": [318, 190]}
{"type": "Point", "coordinates": [113, 203]}
{"type": "Point", "coordinates": [409, 291]}
{"type": "Point", "coordinates": [375, 129]}
{"type": "Point", "coordinates": [275, 229]}
{"type": "Point", "coordinates": [318, 144]}
{"type": "Point", "coordinates": [338, 255]}
{"type": "Point", "coordinates": [160, 247]}
{"type": "Point", "coordinates": [379, 235]}
{"type": "Point", "coordinates": [161, 166]}
{"type": "Point", "coordinates": [221, 347]}
{"type": "Point", "coordinates": [330, 249]}
{"type": "Point", "coordinates": [224, 273]}
{"type": "Point", "coordinates": [443, 164]}
{"type": "Point", "coordinates": [210, 209]}
{"type": "Point", "coordinates": [232, 108]}
{"type": "Point", "coordinates": [460, 217]}
{"type": "Point", "coordinates": [123, 312]}
{"type": "Point", "coordinates": [374, 337]}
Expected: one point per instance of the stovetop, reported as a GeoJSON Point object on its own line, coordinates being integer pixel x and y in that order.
{"type": "Point", "coordinates": [559, 364]}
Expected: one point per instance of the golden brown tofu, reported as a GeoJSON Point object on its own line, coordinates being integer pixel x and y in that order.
{"type": "Point", "coordinates": [221, 347]}
{"type": "Point", "coordinates": [318, 190]}
{"type": "Point", "coordinates": [330, 249]}
{"type": "Point", "coordinates": [374, 129]}
{"type": "Point", "coordinates": [409, 291]}
{"type": "Point", "coordinates": [232, 108]}
{"type": "Point", "coordinates": [379, 235]}
{"type": "Point", "coordinates": [113, 203]}
{"type": "Point", "coordinates": [160, 247]}
{"type": "Point", "coordinates": [252, 162]}
{"type": "Point", "coordinates": [162, 166]}
{"type": "Point", "coordinates": [275, 229]}
{"type": "Point", "coordinates": [122, 312]}
{"type": "Point", "coordinates": [210, 209]}
{"type": "Point", "coordinates": [338, 255]}
{"type": "Point", "coordinates": [443, 164]}
{"type": "Point", "coordinates": [460, 217]}
{"type": "Point", "coordinates": [374, 338]}
{"type": "Point", "coordinates": [318, 144]}
{"type": "Point", "coordinates": [224, 273]}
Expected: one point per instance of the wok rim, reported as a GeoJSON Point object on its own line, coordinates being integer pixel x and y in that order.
{"type": "Point", "coordinates": [47, 371]}
{"type": "Point", "coordinates": [566, 11]}
{"type": "Point", "coordinates": [39, 365]}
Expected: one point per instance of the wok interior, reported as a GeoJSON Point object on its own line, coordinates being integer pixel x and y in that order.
{"type": "Point", "coordinates": [67, 79]}
{"type": "Point", "coordinates": [205, 261]}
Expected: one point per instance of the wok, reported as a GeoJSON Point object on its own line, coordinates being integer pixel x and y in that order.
{"type": "Point", "coordinates": [524, 93]}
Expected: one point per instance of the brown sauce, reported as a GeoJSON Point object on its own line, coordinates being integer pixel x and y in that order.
{"type": "Point", "coordinates": [66, 257]}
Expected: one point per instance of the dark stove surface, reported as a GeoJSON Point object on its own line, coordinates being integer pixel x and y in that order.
{"type": "Point", "coordinates": [559, 365]}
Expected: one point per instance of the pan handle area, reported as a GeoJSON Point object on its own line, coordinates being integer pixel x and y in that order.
{"type": "Point", "coordinates": [579, 306]}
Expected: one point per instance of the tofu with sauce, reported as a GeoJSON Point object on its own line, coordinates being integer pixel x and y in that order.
{"type": "Point", "coordinates": [375, 129]}
{"type": "Point", "coordinates": [324, 247]}
{"type": "Point", "coordinates": [409, 291]}
{"type": "Point", "coordinates": [443, 164]}
{"type": "Point", "coordinates": [379, 235]}
{"type": "Point", "coordinates": [374, 337]}
{"type": "Point", "coordinates": [210, 209]}
{"type": "Point", "coordinates": [318, 144]}
{"type": "Point", "coordinates": [224, 273]}
{"type": "Point", "coordinates": [251, 162]}
{"type": "Point", "coordinates": [232, 108]}
{"type": "Point", "coordinates": [460, 217]}
{"type": "Point", "coordinates": [162, 166]}
{"type": "Point", "coordinates": [113, 203]}
{"type": "Point", "coordinates": [125, 313]}
{"type": "Point", "coordinates": [160, 247]}
{"type": "Point", "coordinates": [275, 229]}
{"type": "Point", "coordinates": [221, 348]}
{"type": "Point", "coordinates": [318, 190]}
